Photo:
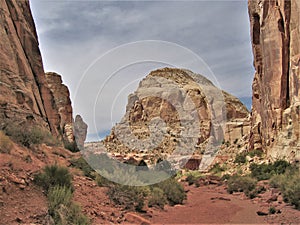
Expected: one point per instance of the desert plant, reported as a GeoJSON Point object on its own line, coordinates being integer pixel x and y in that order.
{"type": "Point", "coordinates": [240, 158]}
{"type": "Point", "coordinates": [82, 164]}
{"type": "Point", "coordinates": [28, 136]}
{"type": "Point", "coordinates": [217, 169]}
{"type": "Point", "coordinates": [71, 146]}
{"type": "Point", "coordinates": [244, 184]}
{"type": "Point", "coordinates": [157, 198]}
{"type": "Point", "coordinates": [255, 152]}
{"type": "Point", "coordinates": [62, 209]}
{"type": "Point", "coordinates": [173, 191]}
{"type": "Point", "coordinates": [131, 197]}
{"type": "Point", "coordinates": [5, 143]}
{"type": "Point", "coordinates": [289, 184]}
{"type": "Point", "coordinates": [54, 175]}
{"type": "Point", "coordinates": [266, 171]}
{"type": "Point", "coordinates": [272, 210]}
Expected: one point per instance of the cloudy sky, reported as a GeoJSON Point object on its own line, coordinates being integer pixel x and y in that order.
{"type": "Point", "coordinates": [103, 49]}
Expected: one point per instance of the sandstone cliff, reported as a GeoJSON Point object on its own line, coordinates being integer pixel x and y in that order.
{"type": "Point", "coordinates": [177, 111]}
{"type": "Point", "coordinates": [275, 31]}
{"type": "Point", "coordinates": [27, 95]}
{"type": "Point", "coordinates": [62, 103]}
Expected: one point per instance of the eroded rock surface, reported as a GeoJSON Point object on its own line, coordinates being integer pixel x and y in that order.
{"type": "Point", "coordinates": [24, 91]}
{"type": "Point", "coordinates": [175, 111]}
{"type": "Point", "coordinates": [80, 131]}
{"type": "Point", "coordinates": [275, 31]}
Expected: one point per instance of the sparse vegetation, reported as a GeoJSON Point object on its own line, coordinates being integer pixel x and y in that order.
{"type": "Point", "coordinates": [255, 152]}
{"type": "Point", "coordinates": [28, 136]}
{"type": "Point", "coordinates": [289, 184]}
{"type": "Point", "coordinates": [5, 143]}
{"type": "Point", "coordinates": [52, 176]}
{"type": "Point", "coordinates": [173, 191]}
{"type": "Point", "coordinates": [272, 210]}
{"type": "Point", "coordinates": [71, 146]}
{"type": "Point", "coordinates": [81, 164]}
{"type": "Point", "coordinates": [266, 171]}
{"type": "Point", "coordinates": [241, 158]}
{"type": "Point", "coordinates": [217, 169]}
{"type": "Point", "coordinates": [157, 198]}
{"type": "Point", "coordinates": [193, 178]}
{"type": "Point", "coordinates": [57, 183]}
{"type": "Point", "coordinates": [244, 184]}
{"type": "Point", "coordinates": [131, 197]}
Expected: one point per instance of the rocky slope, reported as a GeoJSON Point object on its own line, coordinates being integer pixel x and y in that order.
{"type": "Point", "coordinates": [175, 111]}
{"type": "Point", "coordinates": [27, 94]}
{"type": "Point", "coordinates": [275, 34]}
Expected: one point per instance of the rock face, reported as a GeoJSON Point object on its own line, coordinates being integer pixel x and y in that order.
{"type": "Point", "coordinates": [275, 31]}
{"type": "Point", "coordinates": [175, 110]}
{"type": "Point", "coordinates": [24, 91]}
{"type": "Point", "coordinates": [62, 102]}
{"type": "Point", "coordinates": [80, 131]}
{"type": "Point", "coordinates": [27, 95]}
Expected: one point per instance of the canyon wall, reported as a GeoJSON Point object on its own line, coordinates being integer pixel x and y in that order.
{"type": "Point", "coordinates": [275, 33]}
{"type": "Point", "coordinates": [27, 94]}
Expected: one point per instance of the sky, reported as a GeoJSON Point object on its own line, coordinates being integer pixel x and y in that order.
{"type": "Point", "coordinates": [103, 49]}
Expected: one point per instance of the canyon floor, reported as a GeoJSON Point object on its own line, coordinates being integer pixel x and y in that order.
{"type": "Point", "coordinates": [22, 202]}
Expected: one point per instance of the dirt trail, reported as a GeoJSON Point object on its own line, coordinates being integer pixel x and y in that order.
{"type": "Point", "coordinates": [210, 205]}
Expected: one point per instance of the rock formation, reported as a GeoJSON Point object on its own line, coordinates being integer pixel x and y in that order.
{"type": "Point", "coordinates": [80, 131]}
{"type": "Point", "coordinates": [24, 90]}
{"type": "Point", "coordinates": [175, 110]}
{"type": "Point", "coordinates": [275, 32]}
{"type": "Point", "coordinates": [27, 95]}
{"type": "Point", "coordinates": [62, 102]}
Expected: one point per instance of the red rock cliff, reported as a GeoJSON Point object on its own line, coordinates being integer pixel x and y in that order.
{"type": "Point", "coordinates": [275, 27]}
{"type": "Point", "coordinates": [25, 91]}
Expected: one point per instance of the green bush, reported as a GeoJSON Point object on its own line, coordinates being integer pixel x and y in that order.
{"type": "Point", "coordinates": [54, 175]}
{"type": "Point", "coordinates": [71, 146]}
{"type": "Point", "coordinates": [217, 169]}
{"type": "Point", "coordinates": [5, 143]}
{"type": "Point", "coordinates": [289, 184]}
{"type": "Point", "coordinates": [255, 152]}
{"type": "Point", "coordinates": [240, 158]}
{"type": "Point", "coordinates": [266, 171]}
{"type": "Point", "coordinates": [28, 136]}
{"type": "Point", "coordinates": [130, 197]}
{"type": "Point", "coordinates": [173, 191]}
{"type": "Point", "coordinates": [157, 198]}
{"type": "Point", "coordinates": [244, 184]}
{"type": "Point", "coordinates": [62, 209]}
{"type": "Point", "coordinates": [81, 164]}
{"type": "Point", "coordinates": [272, 210]}
{"type": "Point", "coordinates": [102, 181]}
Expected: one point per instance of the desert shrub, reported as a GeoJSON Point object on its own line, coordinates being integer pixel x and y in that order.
{"type": "Point", "coordinates": [193, 178]}
{"type": "Point", "coordinates": [102, 181]}
{"type": "Point", "coordinates": [240, 158]}
{"type": "Point", "coordinates": [272, 210]}
{"type": "Point", "coordinates": [244, 184]}
{"type": "Point", "coordinates": [173, 191]}
{"type": "Point", "coordinates": [5, 143]}
{"type": "Point", "coordinates": [82, 164]}
{"type": "Point", "coordinates": [217, 169]}
{"type": "Point", "coordinates": [28, 136]}
{"type": "Point", "coordinates": [289, 184]}
{"type": "Point", "coordinates": [62, 209]}
{"type": "Point", "coordinates": [54, 175]}
{"type": "Point", "coordinates": [157, 198]}
{"type": "Point", "coordinates": [130, 197]}
{"type": "Point", "coordinates": [255, 152]}
{"type": "Point", "coordinates": [266, 171]}
{"type": "Point", "coordinates": [71, 146]}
